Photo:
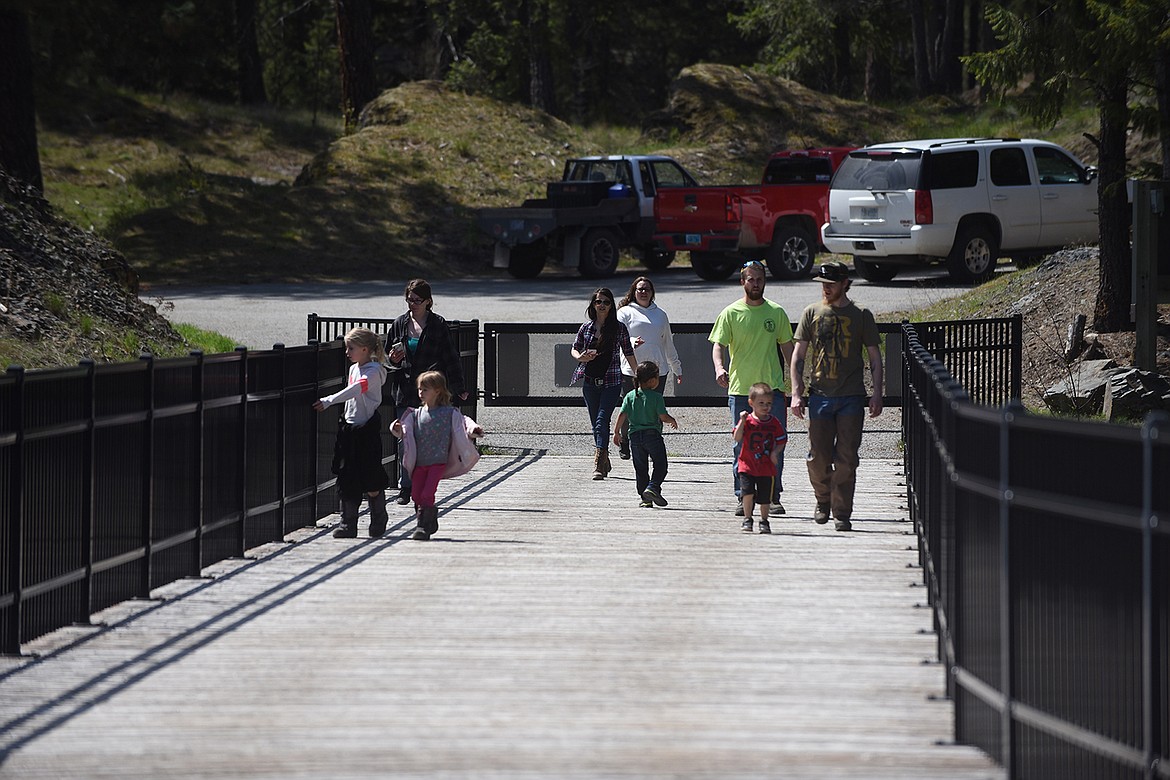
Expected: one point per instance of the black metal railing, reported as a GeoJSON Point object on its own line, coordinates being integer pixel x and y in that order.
{"type": "Point", "coordinates": [530, 364]}
{"type": "Point", "coordinates": [464, 332]}
{"type": "Point", "coordinates": [1049, 574]}
{"type": "Point", "coordinates": [119, 478]}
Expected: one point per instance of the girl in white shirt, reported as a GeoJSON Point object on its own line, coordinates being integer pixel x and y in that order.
{"type": "Point", "coordinates": [357, 455]}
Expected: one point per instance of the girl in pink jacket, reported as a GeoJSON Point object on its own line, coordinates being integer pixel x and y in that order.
{"type": "Point", "coordinates": [436, 443]}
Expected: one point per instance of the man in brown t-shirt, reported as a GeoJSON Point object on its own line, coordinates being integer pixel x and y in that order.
{"type": "Point", "coordinates": [831, 337]}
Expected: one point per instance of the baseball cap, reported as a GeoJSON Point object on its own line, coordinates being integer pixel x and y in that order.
{"type": "Point", "coordinates": [832, 272]}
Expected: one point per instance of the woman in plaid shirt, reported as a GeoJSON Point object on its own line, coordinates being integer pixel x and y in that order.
{"type": "Point", "coordinates": [601, 344]}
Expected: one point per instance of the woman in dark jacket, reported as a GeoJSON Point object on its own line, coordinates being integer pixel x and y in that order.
{"type": "Point", "coordinates": [420, 341]}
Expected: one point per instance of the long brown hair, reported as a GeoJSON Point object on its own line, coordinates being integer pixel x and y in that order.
{"type": "Point", "coordinates": [607, 333]}
{"type": "Point", "coordinates": [630, 293]}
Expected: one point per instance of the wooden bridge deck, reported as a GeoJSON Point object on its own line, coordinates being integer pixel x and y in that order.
{"type": "Point", "coordinates": [552, 629]}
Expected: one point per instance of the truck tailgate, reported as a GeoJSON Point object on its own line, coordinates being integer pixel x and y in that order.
{"type": "Point", "coordinates": [696, 210]}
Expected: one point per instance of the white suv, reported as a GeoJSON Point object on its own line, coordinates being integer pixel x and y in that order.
{"type": "Point", "coordinates": [962, 200]}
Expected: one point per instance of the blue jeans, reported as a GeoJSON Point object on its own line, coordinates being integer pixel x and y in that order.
{"type": "Point", "coordinates": [738, 404]}
{"type": "Point", "coordinates": [601, 401]}
{"type": "Point", "coordinates": [403, 474]}
{"type": "Point", "coordinates": [645, 446]}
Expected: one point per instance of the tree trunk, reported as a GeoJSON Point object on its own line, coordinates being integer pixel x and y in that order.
{"type": "Point", "coordinates": [356, 49]}
{"type": "Point", "coordinates": [576, 40]}
{"type": "Point", "coordinates": [877, 76]}
{"type": "Point", "coordinates": [921, 48]}
{"type": "Point", "coordinates": [19, 157]}
{"type": "Point", "coordinates": [951, 48]}
{"type": "Point", "coordinates": [248, 63]}
{"type": "Point", "coordinates": [541, 92]}
{"type": "Point", "coordinates": [842, 55]}
{"type": "Point", "coordinates": [975, 41]}
{"type": "Point", "coordinates": [1162, 71]}
{"type": "Point", "coordinates": [1111, 313]}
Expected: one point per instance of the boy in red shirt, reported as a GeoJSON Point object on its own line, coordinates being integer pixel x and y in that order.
{"type": "Point", "coordinates": [762, 438]}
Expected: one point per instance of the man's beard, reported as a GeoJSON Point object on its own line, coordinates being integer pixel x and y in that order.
{"type": "Point", "coordinates": [754, 294]}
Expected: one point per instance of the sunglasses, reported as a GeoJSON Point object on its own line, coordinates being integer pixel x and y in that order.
{"type": "Point", "coordinates": [414, 299]}
{"type": "Point", "coordinates": [642, 289]}
{"type": "Point", "coordinates": [750, 263]}
{"type": "Point", "coordinates": [602, 302]}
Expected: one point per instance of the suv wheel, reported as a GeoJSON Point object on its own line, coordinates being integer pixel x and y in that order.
{"type": "Point", "coordinates": [874, 272]}
{"type": "Point", "coordinates": [792, 253]}
{"type": "Point", "coordinates": [600, 252]}
{"type": "Point", "coordinates": [973, 257]}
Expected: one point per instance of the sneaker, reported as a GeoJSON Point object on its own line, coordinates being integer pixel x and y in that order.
{"type": "Point", "coordinates": [842, 525]}
{"type": "Point", "coordinates": [650, 494]}
{"type": "Point", "coordinates": [765, 527]}
{"type": "Point", "coordinates": [646, 505]}
{"type": "Point", "coordinates": [403, 497]}
{"type": "Point", "coordinates": [420, 535]}
{"type": "Point", "coordinates": [739, 509]}
{"type": "Point", "coordinates": [747, 526]}
{"type": "Point", "coordinates": [345, 532]}
{"type": "Point", "coordinates": [821, 515]}
{"type": "Point", "coordinates": [778, 508]}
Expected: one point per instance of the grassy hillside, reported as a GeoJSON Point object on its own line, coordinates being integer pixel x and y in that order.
{"type": "Point", "coordinates": [192, 192]}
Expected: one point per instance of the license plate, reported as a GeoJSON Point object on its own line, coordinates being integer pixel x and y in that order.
{"type": "Point", "coordinates": [694, 239]}
{"type": "Point", "coordinates": [869, 212]}
{"type": "Point", "coordinates": [516, 224]}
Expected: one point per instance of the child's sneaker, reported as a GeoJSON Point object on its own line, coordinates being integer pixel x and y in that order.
{"type": "Point", "coordinates": [765, 527]}
{"type": "Point", "coordinates": [747, 526]}
{"type": "Point", "coordinates": [646, 505]}
{"type": "Point", "coordinates": [650, 494]}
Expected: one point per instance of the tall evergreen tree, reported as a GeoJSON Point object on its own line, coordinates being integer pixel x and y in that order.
{"type": "Point", "coordinates": [19, 156]}
{"type": "Point", "coordinates": [1068, 46]}
{"type": "Point", "coordinates": [356, 48]}
{"type": "Point", "coordinates": [248, 62]}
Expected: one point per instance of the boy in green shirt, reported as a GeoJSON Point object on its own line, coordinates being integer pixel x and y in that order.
{"type": "Point", "coordinates": [646, 412]}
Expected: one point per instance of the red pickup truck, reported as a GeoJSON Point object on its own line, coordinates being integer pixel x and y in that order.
{"type": "Point", "coordinates": [777, 221]}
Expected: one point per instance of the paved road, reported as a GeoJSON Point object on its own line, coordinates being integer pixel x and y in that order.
{"type": "Point", "coordinates": [261, 315]}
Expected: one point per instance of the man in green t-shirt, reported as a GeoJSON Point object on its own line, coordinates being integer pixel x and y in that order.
{"type": "Point", "coordinates": [756, 332]}
{"type": "Point", "coordinates": [833, 335]}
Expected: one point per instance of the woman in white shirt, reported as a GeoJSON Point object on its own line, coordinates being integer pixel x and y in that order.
{"type": "Point", "coordinates": [650, 334]}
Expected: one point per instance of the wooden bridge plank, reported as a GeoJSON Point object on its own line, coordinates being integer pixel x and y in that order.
{"type": "Point", "coordinates": [552, 629]}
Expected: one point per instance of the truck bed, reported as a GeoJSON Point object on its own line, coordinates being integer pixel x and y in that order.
{"type": "Point", "coordinates": [539, 217]}
{"type": "Point", "coordinates": [731, 217]}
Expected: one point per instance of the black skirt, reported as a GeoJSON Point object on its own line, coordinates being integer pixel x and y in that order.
{"type": "Point", "coordinates": [357, 458]}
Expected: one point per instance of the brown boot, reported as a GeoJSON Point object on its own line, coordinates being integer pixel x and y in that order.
{"type": "Point", "coordinates": [605, 464]}
{"type": "Point", "coordinates": [598, 473]}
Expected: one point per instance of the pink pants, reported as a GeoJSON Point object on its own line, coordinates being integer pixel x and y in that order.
{"type": "Point", "coordinates": [424, 481]}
